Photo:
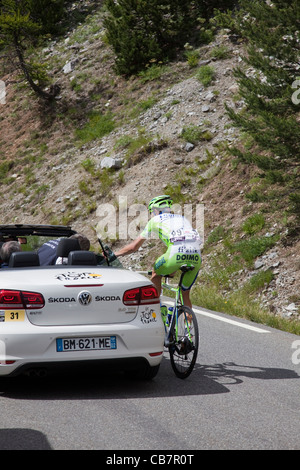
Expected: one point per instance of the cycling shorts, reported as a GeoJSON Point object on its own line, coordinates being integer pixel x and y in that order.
{"type": "Point", "coordinates": [174, 258]}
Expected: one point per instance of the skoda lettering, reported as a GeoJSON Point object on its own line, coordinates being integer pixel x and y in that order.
{"type": "Point", "coordinates": [107, 298]}
{"type": "Point", "coordinates": [61, 299]}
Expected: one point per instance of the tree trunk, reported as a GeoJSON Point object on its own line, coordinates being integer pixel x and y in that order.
{"type": "Point", "coordinates": [37, 89]}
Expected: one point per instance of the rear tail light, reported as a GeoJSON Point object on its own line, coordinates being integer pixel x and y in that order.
{"type": "Point", "coordinates": [131, 297]}
{"type": "Point", "coordinates": [10, 299]}
{"type": "Point", "coordinates": [141, 295]}
{"type": "Point", "coordinates": [149, 295]}
{"type": "Point", "coordinates": [18, 299]}
{"type": "Point", "coordinates": [33, 300]}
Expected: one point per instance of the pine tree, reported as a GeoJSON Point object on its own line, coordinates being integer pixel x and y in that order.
{"type": "Point", "coordinates": [271, 117]}
{"type": "Point", "coordinates": [48, 13]}
{"type": "Point", "coordinates": [18, 31]}
{"type": "Point", "coordinates": [206, 8]}
{"type": "Point", "coordinates": [144, 31]}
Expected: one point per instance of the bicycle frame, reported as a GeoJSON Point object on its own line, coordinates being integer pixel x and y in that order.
{"type": "Point", "coordinates": [174, 317]}
{"type": "Point", "coordinates": [181, 332]}
{"type": "Point", "coordinates": [177, 303]}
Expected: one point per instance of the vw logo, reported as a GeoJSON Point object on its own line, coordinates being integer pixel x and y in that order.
{"type": "Point", "coordinates": [84, 298]}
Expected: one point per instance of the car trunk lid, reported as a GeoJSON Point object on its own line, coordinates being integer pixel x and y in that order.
{"type": "Point", "coordinates": [76, 295]}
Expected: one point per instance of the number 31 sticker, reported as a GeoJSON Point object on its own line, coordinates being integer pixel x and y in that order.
{"type": "Point", "coordinates": [15, 315]}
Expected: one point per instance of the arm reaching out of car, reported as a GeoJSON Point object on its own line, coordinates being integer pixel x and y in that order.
{"type": "Point", "coordinates": [131, 247]}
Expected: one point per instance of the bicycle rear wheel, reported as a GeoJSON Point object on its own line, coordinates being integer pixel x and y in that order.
{"type": "Point", "coordinates": [184, 348]}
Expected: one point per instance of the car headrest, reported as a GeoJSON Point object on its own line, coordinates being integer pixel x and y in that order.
{"type": "Point", "coordinates": [22, 259]}
{"type": "Point", "coordinates": [82, 258]}
{"type": "Point", "coordinates": [65, 246]}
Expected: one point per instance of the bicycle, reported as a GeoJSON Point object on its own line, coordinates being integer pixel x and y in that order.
{"type": "Point", "coordinates": [181, 330]}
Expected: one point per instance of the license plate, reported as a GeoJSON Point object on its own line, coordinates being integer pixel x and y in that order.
{"type": "Point", "coordinates": [86, 344]}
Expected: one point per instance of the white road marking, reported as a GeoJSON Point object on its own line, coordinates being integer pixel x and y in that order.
{"type": "Point", "coordinates": [226, 320]}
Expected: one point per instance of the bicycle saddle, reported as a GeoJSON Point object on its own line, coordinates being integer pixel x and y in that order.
{"type": "Point", "coordinates": [185, 268]}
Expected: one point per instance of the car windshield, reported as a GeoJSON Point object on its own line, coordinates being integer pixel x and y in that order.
{"type": "Point", "coordinates": [33, 242]}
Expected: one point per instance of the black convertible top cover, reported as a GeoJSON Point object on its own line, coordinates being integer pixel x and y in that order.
{"type": "Point", "coordinates": [22, 230]}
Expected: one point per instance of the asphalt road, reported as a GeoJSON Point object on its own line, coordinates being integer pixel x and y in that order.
{"type": "Point", "coordinates": [243, 394]}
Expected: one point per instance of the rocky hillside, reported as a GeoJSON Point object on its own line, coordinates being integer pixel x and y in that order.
{"type": "Point", "coordinates": [164, 131]}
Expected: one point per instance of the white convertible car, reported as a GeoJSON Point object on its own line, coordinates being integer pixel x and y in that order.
{"type": "Point", "coordinates": [85, 312]}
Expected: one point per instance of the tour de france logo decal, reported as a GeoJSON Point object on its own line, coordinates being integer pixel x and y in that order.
{"type": "Point", "coordinates": [71, 276]}
{"type": "Point", "coordinates": [148, 316]}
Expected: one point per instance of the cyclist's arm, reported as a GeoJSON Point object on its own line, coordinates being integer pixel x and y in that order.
{"type": "Point", "coordinates": [131, 247]}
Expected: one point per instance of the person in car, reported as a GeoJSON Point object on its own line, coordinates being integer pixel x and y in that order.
{"type": "Point", "coordinates": [47, 252]}
{"type": "Point", "coordinates": [182, 241]}
{"type": "Point", "coordinates": [6, 250]}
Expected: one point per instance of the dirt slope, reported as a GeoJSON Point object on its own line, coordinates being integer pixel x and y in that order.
{"type": "Point", "coordinates": [48, 183]}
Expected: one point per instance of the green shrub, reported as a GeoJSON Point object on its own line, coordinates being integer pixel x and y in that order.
{"type": "Point", "coordinates": [154, 72]}
{"type": "Point", "coordinates": [220, 52]}
{"type": "Point", "coordinates": [89, 166]}
{"type": "Point", "coordinates": [259, 281]}
{"type": "Point", "coordinates": [206, 75]}
{"type": "Point", "coordinates": [254, 247]}
{"type": "Point", "coordinates": [192, 57]}
{"type": "Point", "coordinates": [256, 196]}
{"type": "Point", "coordinates": [97, 126]}
{"type": "Point", "coordinates": [295, 200]}
{"type": "Point", "coordinates": [216, 235]}
{"type": "Point", "coordinates": [255, 223]}
{"type": "Point", "coordinates": [4, 169]}
{"type": "Point", "coordinates": [86, 187]}
{"type": "Point", "coordinates": [195, 134]}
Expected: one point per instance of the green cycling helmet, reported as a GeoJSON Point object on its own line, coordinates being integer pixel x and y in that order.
{"type": "Point", "coordinates": [160, 202]}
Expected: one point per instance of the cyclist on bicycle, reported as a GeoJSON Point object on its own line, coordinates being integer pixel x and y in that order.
{"type": "Point", "coordinates": [182, 241]}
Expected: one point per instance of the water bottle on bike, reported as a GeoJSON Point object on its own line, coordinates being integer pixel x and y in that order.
{"type": "Point", "coordinates": [164, 314]}
{"type": "Point", "coordinates": [170, 313]}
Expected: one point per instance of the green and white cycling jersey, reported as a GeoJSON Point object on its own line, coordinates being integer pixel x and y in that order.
{"type": "Point", "coordinates": [172, 229]}
{"type": "Point", "coordinates": [183, 245]}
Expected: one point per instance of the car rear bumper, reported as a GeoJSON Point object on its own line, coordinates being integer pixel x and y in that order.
{"type": "Point", "coordinates": [32, 347]}
{"type": "Point", "coordinates": [93, 366]}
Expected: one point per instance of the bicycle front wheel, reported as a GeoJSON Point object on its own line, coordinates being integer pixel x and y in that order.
{"type": "Point", "coordinates": [185, 342]}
